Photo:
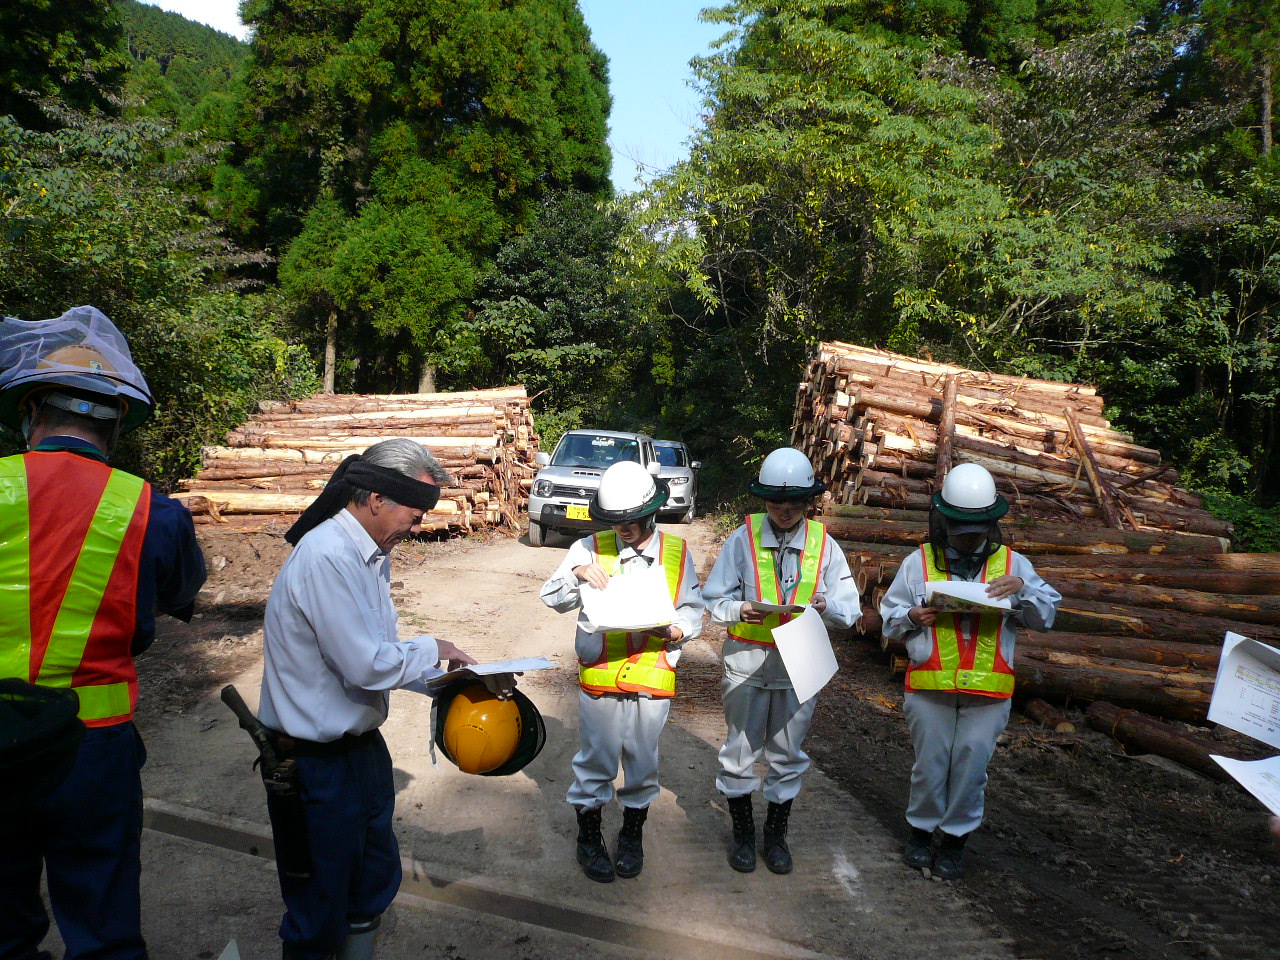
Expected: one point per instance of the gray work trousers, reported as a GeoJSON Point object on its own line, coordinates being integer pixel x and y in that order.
{"type": "Point", "coordinates": [613, 730]}
{"type": "Point", "coordinates": [954, 735]}
{"type": "Point", "coordinates": [763, 724]}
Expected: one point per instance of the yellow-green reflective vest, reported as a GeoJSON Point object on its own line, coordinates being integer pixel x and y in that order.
{"type": "Point", "coordinates": [635, 662]}
{"type": "Point", "coordinates": [965, 661]}
{"type": "Point", "coordinates": [71, 534]}
{"type": "Point", "coordinates": [769, 587]}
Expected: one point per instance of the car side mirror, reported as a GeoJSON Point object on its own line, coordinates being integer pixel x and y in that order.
{"type": "Point", "coordinates": [654, 467]}
{"type": "Point", "coordinates": [542, 458]}
{"type": "Point", "coordinates": [697, 464]}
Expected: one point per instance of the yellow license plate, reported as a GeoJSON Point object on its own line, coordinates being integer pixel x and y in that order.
{"type": "Point", "coordinates": [576, 512]}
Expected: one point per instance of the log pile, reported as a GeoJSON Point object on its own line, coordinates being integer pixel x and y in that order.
{"type": "Point", "coordinates": [270, 468]}
{"type": "Point", "coordinates": [1149, 585]}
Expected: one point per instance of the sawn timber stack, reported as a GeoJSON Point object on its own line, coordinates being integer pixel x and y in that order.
{"type": "Point", "coordinates": [273, 466]}
{"type": "Point", "coordinates": [1148, 580]}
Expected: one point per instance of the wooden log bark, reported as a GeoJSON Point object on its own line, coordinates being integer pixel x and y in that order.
{"type": "Point", "coordinates": [1049, 716]}
{"type": "Point", "coordinates": [1102, 490]}
{"type": "Point", "coordinates": [1255, 608]}
{"type": "Point", "coordinates": [1260, 583]}
{"type": "Point", "coordinates": [946, 432]}
{"type": "Point", "coordinates": [1179, 694]}
{"type": "Point", "coordinates": [1160, 650]}
{"type": "Point", "coordinates": [1134, 729]}
{"type": "Point", "coordinates": [1090, 616]}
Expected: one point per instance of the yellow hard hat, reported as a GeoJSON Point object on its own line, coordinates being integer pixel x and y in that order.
{"type": "Point", "coordinates": [481, 732]}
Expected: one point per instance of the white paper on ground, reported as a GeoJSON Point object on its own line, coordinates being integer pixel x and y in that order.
{"type": "Point", "coordinates": [960, 596]}
{"type": "Point", "coordinates": [477, 670]}
{"type": "Point", "coordinates": [1259, 777]}
{"type": "Point", "coordinates": [1246, 694]}
{"type": "Point", "coordinates": [638, 600]}
{"type": "Point", "coordinates": [806, 651]}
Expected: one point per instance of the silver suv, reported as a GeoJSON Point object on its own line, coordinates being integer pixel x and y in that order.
{"type": "Point", "coordinates": [681, 474]}
{"type": "Point", "coordinates": [570, 476]}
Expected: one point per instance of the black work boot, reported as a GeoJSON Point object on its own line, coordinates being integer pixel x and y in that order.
{"type": "Point", "coordinates": [592, 854]}
{"type": "Point", "coordinates": [743, 855]}
{"type": "Point", "coordinates": [630, 859]}
{"type": "Point", "coordinates": [919, 853]}
{"type": "Point", "coordinates": [776, 855]}
{"type": "Point", "coordinates": [949, 864]}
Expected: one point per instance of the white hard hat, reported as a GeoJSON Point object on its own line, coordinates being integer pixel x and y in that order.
{"type": "Point", "coordinates": [969, 494]}
{"type": "Point", "coordinates": [628, 492]}
{"type": "Point", "coordinates": [786, 474]}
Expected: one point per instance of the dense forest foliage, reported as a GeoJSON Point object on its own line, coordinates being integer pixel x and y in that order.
{"type": "Point", "coordinates": [399, 194]}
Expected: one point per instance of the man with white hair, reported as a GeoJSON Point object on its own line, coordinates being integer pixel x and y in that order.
{"type": "Point", "coordinates": [332, 655]}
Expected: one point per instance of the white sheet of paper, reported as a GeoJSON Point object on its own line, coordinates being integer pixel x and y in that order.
{"type": "Point", "coordinates": [1246, 694]}
{"type": "Point", "coordinates": [523, 665]}
{"type": "Point", "coordinates": [778, 607]}
{"type": "Point", "coordinates": [638, 600]}
{"type": "Point", "coordinates": [961, 596]}
{"type": "Point", "coordinates": [1259, 777]}
{"type": "Point", "coordinates": [806, 651]}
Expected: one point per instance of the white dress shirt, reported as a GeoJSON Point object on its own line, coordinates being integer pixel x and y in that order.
{"type": "Point", "coordinates": [331, 647]}
{"type": "Point", "coordinates": [733, 581]}
{"type": "Point", "coordinates": [562, 593]}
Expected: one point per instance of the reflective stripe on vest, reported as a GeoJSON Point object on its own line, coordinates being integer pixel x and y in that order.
{"type": "Point", "coordinates": [965, 662]}
{"type": "Point", "coordinates": [769, 587]}
{"type": "Point", "coordinates": [70, 609]}
{"type": "Point", "coordinates": [635, 662]}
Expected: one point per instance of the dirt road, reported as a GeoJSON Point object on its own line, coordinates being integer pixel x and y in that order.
{"type": "Point", "coordinates": [1084, 854]}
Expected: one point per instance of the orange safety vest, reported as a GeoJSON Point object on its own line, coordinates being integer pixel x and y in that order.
{"type": "Point", "coordinates": [634, 662]}
{"type": "Point", "coordinates": [965, 662]}
{"type": "Point", "coordinates": [71, 532]}
{"type": "Point", "coordinates": [768, 584]}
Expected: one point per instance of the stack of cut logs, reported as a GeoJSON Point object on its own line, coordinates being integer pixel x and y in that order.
{"type": "Point", "coordinates": [274, 465]}
{"type": "Point", "coordinates": [1148, 583]}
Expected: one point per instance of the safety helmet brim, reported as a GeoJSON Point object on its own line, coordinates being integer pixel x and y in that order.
{"type": "Point", "coordinates": [768, 491]}
{"type": "Point", "coordinates": [994, 512]}
{"type": "Point", "coordinates": [533, 731]}
{"type": "Point", "coordinates": [136, 406]}
{"type": "Point", "coordinates": [661, 491]}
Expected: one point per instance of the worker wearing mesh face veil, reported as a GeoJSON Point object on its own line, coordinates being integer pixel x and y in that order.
{"type": "Point", "coordinates": [960, 679]}
{"type": "Point", "coordinates": [88, 553]}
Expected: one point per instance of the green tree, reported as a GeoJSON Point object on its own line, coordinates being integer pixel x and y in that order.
{"type": "Point", "coordinates": [436, 128]}
{"type": "Point", "coordinates": [65, 48]}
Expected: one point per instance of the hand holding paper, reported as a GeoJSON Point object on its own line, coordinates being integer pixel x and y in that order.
{"type": "Point", "coordinates": [962, 596]}
{"type": "Point", "coordinates": [632, 602]}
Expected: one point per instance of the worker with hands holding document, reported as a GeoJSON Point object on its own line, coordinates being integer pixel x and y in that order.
{"type": "Point", "coordinates": [637, 588]}
{"type": "Point", "coordinates": [769, 570]}
{"type": "Point", "coordinates": [958, 601]}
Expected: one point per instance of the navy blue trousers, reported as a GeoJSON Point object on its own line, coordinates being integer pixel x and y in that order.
{"type": "Point", "coordinates": [87, 834]}
{"type": "Point", "coordinates": [348, 802]}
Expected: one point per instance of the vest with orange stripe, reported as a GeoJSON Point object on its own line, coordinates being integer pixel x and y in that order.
{"type": "Point", "coordinates": [965, 661]}
{"type": "Point", "coordinates": [768, 583]}
{"type": "Point", "coordinates": [635, 662]}
{"type": "Point", "coordinates": [71, 533]}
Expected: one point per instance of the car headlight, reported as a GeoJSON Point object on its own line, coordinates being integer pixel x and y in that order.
{"type": "Point", "coordinates": [676, 481]}
{"type": "Point", "coordinates": [543, 488]}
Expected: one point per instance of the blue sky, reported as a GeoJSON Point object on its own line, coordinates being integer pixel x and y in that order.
{"type": "Point", "coordinates": [649, 47]}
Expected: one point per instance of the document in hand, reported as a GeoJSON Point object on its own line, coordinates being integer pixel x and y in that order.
{"type": "Point", "coordinates": [632, 601]}
{"type": "Point", "coordinates": [778, 607]}
{"type": "Point", "coordinates": [805, 648]}
{"type": "Point", "coordinates": [1246, 695]}
{"type": "Point", "coordinates": [960, 596]}
{"type": "Point", "coordinates": [477, 670]}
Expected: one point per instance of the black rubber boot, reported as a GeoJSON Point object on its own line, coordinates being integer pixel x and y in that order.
{"type": "Point", "coordinates": [630, 859]}
{"type": "Point", "coordinates": [919, 852]}
{"type": "Point", "coordinates": [950, 862]}
{"type": "Point", "coordinates": [743, 855]}
{"type": "Point", "coordinates": [776, 855]}
{"type": "Point", "coordinates": [592, 854]}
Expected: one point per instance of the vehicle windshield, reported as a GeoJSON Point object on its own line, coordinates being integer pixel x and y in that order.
{"type": "Point", "coordinates": [593, 450]}
{"type": "Point", "coordinates": [670, 456]}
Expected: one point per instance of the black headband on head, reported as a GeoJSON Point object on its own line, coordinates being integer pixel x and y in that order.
{"type": "Point", "coordinates": [354, 472]}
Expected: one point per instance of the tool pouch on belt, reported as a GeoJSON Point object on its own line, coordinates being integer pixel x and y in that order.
{"type": "Point", "coordinates": [279, 769]}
